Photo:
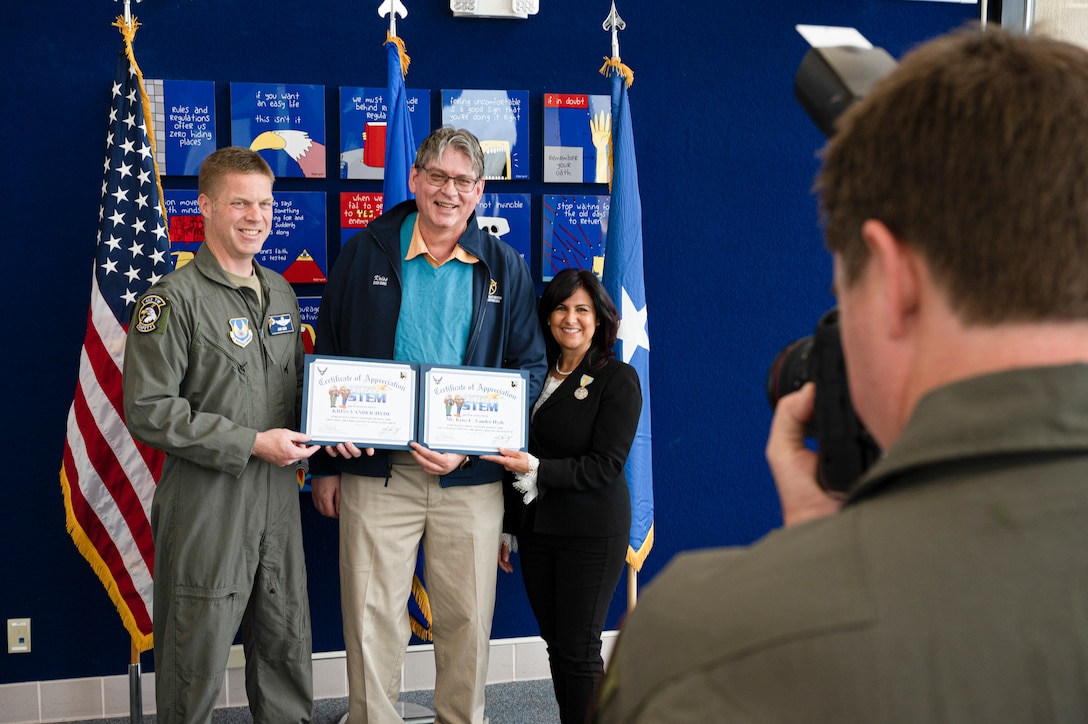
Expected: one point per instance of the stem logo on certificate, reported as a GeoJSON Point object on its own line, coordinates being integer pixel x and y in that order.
{"type": "Point", "coordinates": [473, 410]}
{"type": "Point", "coordinates": [371, 403]}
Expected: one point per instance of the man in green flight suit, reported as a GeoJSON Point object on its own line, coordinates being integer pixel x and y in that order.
{"type": "Point", "coordinates": [213, 377]}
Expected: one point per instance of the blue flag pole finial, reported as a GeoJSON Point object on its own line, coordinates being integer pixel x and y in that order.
{"type": "Point", "coordinates": [614, 23]}
{"type": "Point", "coordinates": [392, 8]}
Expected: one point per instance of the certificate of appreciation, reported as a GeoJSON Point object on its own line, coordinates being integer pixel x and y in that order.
{"type": "Point", "coordinates": [473, 409]}
{"type": "Point", "coordinates": [371, 403]}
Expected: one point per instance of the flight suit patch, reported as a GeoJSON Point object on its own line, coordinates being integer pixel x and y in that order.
{"type": "Point", "coordinates": [240, 331]}
{"type": "Point", "coordinates": [280, 324]}
{"type": "Point", "coordinates": [152, 315]}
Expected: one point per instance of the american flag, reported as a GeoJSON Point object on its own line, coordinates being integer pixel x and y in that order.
{"type": "Point", "coordinates": [108, 478]}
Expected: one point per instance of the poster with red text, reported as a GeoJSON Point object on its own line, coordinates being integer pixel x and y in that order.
{"type": "Point", "coordinates": [577, 131]}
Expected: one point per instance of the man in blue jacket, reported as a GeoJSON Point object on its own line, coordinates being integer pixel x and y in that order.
{"type": "Point", "coordinates": [423, 283]}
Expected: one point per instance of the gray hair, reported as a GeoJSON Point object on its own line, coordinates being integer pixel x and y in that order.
{"type": "Point", "coordinates": [458, 139]}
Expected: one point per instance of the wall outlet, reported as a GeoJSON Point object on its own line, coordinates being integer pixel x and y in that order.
{"type": "Point", "coordinates": [18, 635]}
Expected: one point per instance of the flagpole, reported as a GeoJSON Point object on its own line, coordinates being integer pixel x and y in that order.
{"type": "Point", "coordinates": [91, 463]}
{"type": "Point", "coordinates": [399, 152]}
{"type": "Point", "coordinates": [135, 682]}
{"type": "Point", "coordinates": [128, 11]}
{"type": "Point", "coordinates": [392, 8]}
{"type": "Point", "coordinates": [615, 23]}
{"type": "Point", "coordinates": [624, 281]}
{"type": "Point", "coordinates": [135, 694]}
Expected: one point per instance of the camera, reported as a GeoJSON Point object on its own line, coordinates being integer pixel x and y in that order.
{"type": "Point", "coordinates": [829, 80]}
{"type": "Point", "coordinates": [844, 447]}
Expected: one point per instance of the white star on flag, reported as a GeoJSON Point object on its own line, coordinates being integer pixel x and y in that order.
{"type": "Point", "coordinates": [632, 332]}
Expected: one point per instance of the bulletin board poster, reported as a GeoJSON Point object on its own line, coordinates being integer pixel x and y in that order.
{"type": "Point", "coordinates": [307, 310]}
{"type": "Point", "coordinates": [575, 228]}
{"type": "Point", "coordinates": [183, 121]}
{"type": "Point", "coordinates": [577, 131]}
{"type": "Point", "coordinates": [357, 210]}
{"type": "Point", "coordinates": [509, 217]}
{"type": "Point", "coordinates": [295, 248]}
{"type": "Point", "coordinates": [499, 119]}
{"type": "Point", "coordinates": [283, 122]}
{"type": "Point", "coordinates": [363, 114]}
{"type": "Point", "coordinates": [185, 225]}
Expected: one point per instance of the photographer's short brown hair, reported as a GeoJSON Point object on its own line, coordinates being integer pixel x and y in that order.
{"type": "Point", "coordinates": [973, 151]}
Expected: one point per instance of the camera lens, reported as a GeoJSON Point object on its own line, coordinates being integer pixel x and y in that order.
{"type": "Point", "coordinates": [789, 370]}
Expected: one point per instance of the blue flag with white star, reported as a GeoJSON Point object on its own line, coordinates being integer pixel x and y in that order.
{"type": "Point", "coordinates": [400, 154]}
{"type": "Point", "coordinates": [400, 147]}
{"type": "Point", "coordinates": [625, 283]}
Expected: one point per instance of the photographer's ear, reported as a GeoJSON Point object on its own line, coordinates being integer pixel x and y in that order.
{"type": "Point", "coordinates": [899, 272]}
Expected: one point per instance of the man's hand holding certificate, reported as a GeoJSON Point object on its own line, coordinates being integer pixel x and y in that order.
{"type": "Point", "coordinates": [370, 403]}
{"type": "Point", "coordinates": [383, 404]}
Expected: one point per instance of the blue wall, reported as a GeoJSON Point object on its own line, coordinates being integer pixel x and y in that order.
{"type": "Point", "coordinates": [734, 262]}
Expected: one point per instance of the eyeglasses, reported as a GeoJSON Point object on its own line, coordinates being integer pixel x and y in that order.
{"type": "Point", "coordinates": [439, 179]}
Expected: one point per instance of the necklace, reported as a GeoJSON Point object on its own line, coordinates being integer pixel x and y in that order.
{"type": "Point", "coordinates": [559, 371]}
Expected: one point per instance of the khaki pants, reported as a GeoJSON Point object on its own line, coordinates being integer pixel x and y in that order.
{"type": "Point", "coordinates": [381, 527]}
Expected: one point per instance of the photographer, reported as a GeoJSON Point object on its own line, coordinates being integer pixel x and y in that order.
{"type": "Point", "coordinates": [949, 583]}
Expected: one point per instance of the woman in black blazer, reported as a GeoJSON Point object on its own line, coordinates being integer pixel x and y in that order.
{"type": "Point", "coordinates": [567, 500]}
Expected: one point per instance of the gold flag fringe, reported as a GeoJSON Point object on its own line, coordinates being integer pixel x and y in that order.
{"type": "Point", "coordinates": [627, 73]}
{"type": "Point", "coordinates": [611, 64]}
{"type": "Point", "coordinates": [128, 32]}
{"type": "Point", "coordinates": [420, 594]}
{"type": "Point", "coordinates": [635, 559]}
{"type": "Point", "coordinates": [404, 59]}
{"type": "Point", "coordinates": [140, 641]}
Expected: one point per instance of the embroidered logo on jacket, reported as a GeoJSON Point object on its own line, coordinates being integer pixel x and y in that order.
{"type": "Point", "coordinates": [380, 281]}
{"type": "Point", "coordinates": [493, 297]}
{"type": "Point", "coordinates": [280, 324]}
{"type": "Point", "coordinates": [151, 311]}
{"type": "Point", "coordinates": [240, 332]}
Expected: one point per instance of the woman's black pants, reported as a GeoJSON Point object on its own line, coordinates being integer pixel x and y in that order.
{"type": "Point", "coordinates": [570, 582]}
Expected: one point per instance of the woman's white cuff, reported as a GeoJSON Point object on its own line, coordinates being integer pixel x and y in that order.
{"type": "Point", "coordinates": [525, 483]}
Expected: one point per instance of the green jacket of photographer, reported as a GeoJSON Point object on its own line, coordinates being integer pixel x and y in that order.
{"type": "Point", "coordinates": [973, 523]}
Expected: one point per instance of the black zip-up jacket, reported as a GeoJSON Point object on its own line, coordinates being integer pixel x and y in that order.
{"type": "Point", "coordinates": [361, 306]}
